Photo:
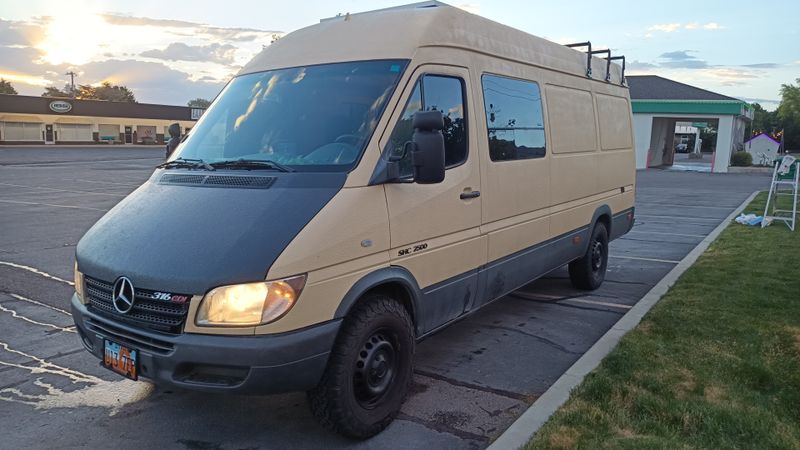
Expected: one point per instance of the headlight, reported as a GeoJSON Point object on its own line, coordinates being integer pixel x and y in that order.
{"type": "Point", "coordinates": [79, 284]}
{"type": "Point", "coordinates": [249, 304]}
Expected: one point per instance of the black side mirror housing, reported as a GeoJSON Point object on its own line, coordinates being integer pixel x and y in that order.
{"type": "Point", "coordinates": [427, 151]}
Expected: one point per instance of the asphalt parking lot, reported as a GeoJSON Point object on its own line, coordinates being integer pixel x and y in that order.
{"type": "Point", "coordinates": [472, 380]}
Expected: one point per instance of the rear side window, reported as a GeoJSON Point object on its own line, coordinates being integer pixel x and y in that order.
{"type": "Point", "coordinates": [514, 118]}
{"type": "Point", "coordinates": [434, 92]}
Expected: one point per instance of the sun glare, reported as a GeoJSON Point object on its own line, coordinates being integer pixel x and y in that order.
{"type": "Point", "coordinates": [73, 37]}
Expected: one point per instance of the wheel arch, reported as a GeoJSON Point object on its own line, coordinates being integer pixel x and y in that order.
{"type": "Point", "coordinates": [394, 281]}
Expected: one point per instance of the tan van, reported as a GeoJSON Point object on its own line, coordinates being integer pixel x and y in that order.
{"type": "Point", "coordinates": [359, 185]}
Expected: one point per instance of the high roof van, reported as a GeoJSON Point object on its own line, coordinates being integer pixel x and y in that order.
{"type": "Point", "coordinates": [359, 185]}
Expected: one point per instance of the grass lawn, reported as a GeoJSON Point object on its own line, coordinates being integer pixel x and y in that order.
{"type": "Point", "coordinates": [715, 364]}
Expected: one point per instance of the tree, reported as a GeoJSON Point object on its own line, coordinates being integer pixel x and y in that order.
{"type": "Point", "coordinates": [789, 114]}
{"type": "Point", "coordinates": [6, 87]}
{"type": "Point", "coordinates": [52, 91]}
{"type": "Point", "coordinates": [199, 103]}
{"type": "Point", "coordinates": [106, 91]}
{"type": "Point", "coordinates": [763, 121]}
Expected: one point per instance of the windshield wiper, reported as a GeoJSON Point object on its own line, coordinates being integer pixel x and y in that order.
{"type": "Point", "coordinates": [185, 163]}
{"type": "Point", "coordinates": [251, 164]}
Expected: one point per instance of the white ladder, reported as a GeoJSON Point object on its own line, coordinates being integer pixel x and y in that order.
{"type": "Point", "coordinates": [783, 185]}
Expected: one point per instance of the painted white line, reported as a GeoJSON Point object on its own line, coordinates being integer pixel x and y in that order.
{"type": "Point", "coordinates": [640, 258]}
{"type": "Point", "coordinates": [36, 271]}
{"type": "Point", "coordinates": [595, 302]}
{"type": "Point", "coordinates": [50, 204]}
{"type": "Point", "coordinates": [132, 185]}
{"type": "Point", "coordinates": [48, 367]}
{"type": "Point", "coordinates": [518, 434]}
{"type": "Point", "coordinates": [668, 234]}
{"type": "Point", "coordinates": [688, 218]}
{"type": "Point", "coordinates": [17, 315]}
{"type": "Point", "coordinates": [61, 190]}
{"type": "Point", "coordinates": [726, 208]}
{"type": "Point", "coordinates": [35, 302]}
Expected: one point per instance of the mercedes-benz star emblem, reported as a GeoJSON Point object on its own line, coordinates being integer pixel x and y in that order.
{"type": "Point", "coordinates": [122, 295]}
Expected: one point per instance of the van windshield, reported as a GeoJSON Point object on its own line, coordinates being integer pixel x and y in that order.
{"type": "Point", "coordinates": [314, 118]}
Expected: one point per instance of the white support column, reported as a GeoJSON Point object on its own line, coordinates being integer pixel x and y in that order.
{"type": "Point", "coordinates": [642, 130]}
{"type": "Point", "coordinates": [722, 157]}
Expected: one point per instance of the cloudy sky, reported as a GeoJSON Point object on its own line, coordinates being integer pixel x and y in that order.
{"type": "Point", "coordinates": [169, 51]}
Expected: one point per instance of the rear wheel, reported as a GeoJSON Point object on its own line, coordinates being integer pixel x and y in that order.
{"type": "Point", "coordinates": [369, 370]}
{"type": "Point", "coordinates": [589, 271]}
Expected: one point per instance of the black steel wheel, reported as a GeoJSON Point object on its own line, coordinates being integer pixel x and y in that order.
{"type": "Point", "coordinates": [369, 370]}
{"type": "Point", "coordinates": [588, 272]}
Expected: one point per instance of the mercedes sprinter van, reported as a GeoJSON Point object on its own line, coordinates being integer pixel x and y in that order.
{"type": "Point", "coordinates": [359, 185]}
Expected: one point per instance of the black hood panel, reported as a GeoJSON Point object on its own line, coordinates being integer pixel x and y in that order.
{"type": "Point", "coordinates": [190, 239]}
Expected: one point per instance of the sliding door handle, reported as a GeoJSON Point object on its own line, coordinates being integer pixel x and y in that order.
{"type": "Point", "coordinates": [470, 194]}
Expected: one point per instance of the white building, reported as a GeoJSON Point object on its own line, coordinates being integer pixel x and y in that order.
{"type": "Point", "coordinates": [763, 148]}
{"type": "Point", "coordinates": [658, 104]}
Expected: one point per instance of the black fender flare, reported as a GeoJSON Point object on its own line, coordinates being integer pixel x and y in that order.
{"type": "Point", "coordinates": [602, 210]}
{"type": "Point", "coordinates": [392, 274]}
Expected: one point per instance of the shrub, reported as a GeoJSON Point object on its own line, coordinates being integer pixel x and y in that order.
{"type": "Point", "coordinates": [741, 159]}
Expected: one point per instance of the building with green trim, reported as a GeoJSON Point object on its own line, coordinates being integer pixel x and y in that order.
{"type": "Point", "coordinates": [659, 104]}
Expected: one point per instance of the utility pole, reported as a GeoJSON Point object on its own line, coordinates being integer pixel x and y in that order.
{"type": "Point", "coordinates": [71, 82]}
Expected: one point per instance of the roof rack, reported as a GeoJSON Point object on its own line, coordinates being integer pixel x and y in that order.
{"type": "Point", "coordinates": [622, 76]}
{"type": "Point", "coordinates": [589, 53]}
{"type": "Point", "coordinates": [588, 45]}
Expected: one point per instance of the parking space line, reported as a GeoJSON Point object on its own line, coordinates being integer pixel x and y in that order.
{"type": "Point", "coordinates": [595, 302]}
{"type": "Point", "coordinates": [51, 204]}
{"type": "Point", "coordinates": [62, 190]}
{"type": "Point", "coordinates": [640, 258]}
{"type": "Point", "coordinates": [726, 208]}
{"type": "Point", "coordinates": [107, 182]}
{"type": "Point", "coordinates": [679, 217]}
{"type": "Point", "coordinates": [16, 315]}
{"type": "Point", "coordinates": [36, 302]}
{"type": "Point", "coordinates": [669, 234]}
{"type": "Point", "coordinates": [36, 271]}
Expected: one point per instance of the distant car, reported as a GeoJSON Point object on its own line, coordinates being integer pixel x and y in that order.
{"type": "Point", "coordinates": [682, 148]}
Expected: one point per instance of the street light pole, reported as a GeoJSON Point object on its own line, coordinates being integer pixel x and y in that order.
{"type": "Point", "coordinates": [71, 82]}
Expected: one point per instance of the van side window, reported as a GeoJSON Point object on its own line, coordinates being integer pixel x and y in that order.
{"type": "Point", "coordinates": [514, 118]}
{"type": "Point", "coordinates": [434, 92]}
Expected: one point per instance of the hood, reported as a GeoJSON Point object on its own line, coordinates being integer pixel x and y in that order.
{"type": "Point", "coordinates": [179, 232]}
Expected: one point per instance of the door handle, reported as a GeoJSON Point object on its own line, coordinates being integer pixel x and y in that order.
{"type": "Point", "coordinates": [470, 194]}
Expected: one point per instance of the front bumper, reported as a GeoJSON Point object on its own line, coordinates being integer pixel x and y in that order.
{"type": "Point", "coordinates": [262, 364]}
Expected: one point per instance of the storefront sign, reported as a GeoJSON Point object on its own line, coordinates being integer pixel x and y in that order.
{"type": "Point", "coordinates": [60, 106]}
{"type": "Point", "coordinates": [197, 112]}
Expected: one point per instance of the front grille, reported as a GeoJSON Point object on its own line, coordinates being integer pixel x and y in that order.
{"type": "Point", "coordinates": [148, 311]}
{"type": "Point", "coordinates": [129, 339]}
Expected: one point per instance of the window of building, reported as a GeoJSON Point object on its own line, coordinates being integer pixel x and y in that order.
{"type": "Point", "coordinates": [74, 132]}
{"type": "Point", "coordinates": [434, 92]}
{"type": "Point", "coordinates": [514, 118]}
{"type": "Point", "coordinates": [23, 131]}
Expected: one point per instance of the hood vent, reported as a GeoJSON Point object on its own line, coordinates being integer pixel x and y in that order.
{"type": "Point", "coordinates": [233, 181]}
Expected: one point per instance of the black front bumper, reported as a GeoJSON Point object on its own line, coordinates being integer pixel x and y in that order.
{"type": "Point", "coordinates": [262, 364]}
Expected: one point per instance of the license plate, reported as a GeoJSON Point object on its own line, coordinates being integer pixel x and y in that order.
{"type": "Point", "coordinates": [121, 359]}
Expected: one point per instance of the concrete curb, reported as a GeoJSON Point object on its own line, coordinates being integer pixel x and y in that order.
{"type": "Point", "coordinates": [518, 434]}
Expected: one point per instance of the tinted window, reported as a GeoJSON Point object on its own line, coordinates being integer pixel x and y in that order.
{"type": "Point", "coordinates": [514, 118]}
{"type": "Point", "coordinates": [310, 118]}
{"type": "Point", "coordinates": [431, 93]}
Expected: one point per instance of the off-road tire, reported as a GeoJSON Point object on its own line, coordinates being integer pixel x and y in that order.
{"type": "Point", "coordinates": [589, 271]}
{"type": "Point", "coordinates": [341, 400]}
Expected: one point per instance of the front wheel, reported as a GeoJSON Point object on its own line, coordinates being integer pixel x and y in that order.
{"type": "Point", "coordinates": [589, 271]}
{"type": "Point", "coordinates": [369, 370]}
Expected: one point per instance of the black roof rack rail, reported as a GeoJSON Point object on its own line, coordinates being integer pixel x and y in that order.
{"type": "Point", "coordinates": [608, 61]}
{"type": "Point", "coordinates": [588, 45]}
{"type": "Point", "coordinates": [617, 58]}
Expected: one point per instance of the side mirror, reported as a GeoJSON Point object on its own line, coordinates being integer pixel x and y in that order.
{"type": "Point", "coordinates": [427, 151]}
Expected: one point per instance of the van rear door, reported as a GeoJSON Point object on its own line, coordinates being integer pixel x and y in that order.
{"type": "Point", "coordinates": [435, 228]}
